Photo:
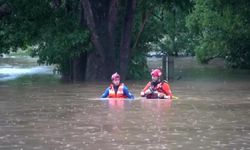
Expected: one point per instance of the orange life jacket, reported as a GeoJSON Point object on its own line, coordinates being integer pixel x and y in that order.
{"type": "Point", "coordinates": [119, 93]}
{"type": "Point", "coordinates": [161, 87]}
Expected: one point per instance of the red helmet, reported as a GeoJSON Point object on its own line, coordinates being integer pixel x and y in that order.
{"type": "Point", "coordinates": [115, 76]}
{"type": "Point", "coordinates": [156, 73]}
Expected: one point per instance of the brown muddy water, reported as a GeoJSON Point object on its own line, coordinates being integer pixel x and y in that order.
{"type": "Point", "coordinates": [212, 112]}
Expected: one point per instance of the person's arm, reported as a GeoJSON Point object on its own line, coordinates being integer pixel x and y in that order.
{"type": "Point", "coordinates": [106, 93]}
{"type": "Point", "coordinates": [146, 90]}
{"type": "Point", "coordinates": [127, 93]}
{"type": "Point", "coordinates": [167, 89]}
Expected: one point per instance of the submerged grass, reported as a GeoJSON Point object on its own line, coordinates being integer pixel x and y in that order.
{"type": "Point", "coordinates": [213, 74]}
{"type": "Point", "coordinates": [41, 79]}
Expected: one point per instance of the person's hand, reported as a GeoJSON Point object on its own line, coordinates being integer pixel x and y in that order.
{"type": "Point", "coordinates": [148, 91]}
{"type": "Point", "coordinates": [167, 97]}
{"type": "Point", "coordinates": [142, 94]}
{"type": "Point", "coordinates": [161, 95]}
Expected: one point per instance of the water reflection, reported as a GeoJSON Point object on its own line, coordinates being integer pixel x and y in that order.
{"type": "Point", "coordinates": [117, 104]}
{"type": "Point", "coordinates": [156, 105]}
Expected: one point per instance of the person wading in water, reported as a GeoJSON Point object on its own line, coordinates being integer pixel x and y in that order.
{"type": "Point", "coordinates": [117, 89]}
{"type": "Point", "coordinates": [157, 89]}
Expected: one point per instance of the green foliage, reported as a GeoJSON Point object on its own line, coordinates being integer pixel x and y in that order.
{"type": "Point", "coordinates": [158, 33]}
{"type": "Point", "coordinates": [53, 34]}
{"type": "Point", "coordinates": [138, 64]}
{"type": "Point", "coordinates": [174, 36]}
{"type": "Point", "coordinates": [222, 29]}
{"type": "Point", "coordinates": [138, 67]}
{"type": "Point", "coordinates": [217, 28]}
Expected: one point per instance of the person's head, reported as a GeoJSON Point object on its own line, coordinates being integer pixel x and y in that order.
{"type": "Point", "coordinates": [156, 75]}
{"type": "Point", "coordinates": [115, 79]}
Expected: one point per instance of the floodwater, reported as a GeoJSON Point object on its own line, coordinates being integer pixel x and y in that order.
{"type": "Point", "coordinates": [15, 67]}
{"type": "Point", "coordinates": [210, 113]}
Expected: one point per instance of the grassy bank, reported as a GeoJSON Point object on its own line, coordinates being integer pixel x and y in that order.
{"type": "Point", "coordinates": [41, 79]}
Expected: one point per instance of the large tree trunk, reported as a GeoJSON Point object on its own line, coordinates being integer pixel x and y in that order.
{"type": "Point", "coordinates": [101, 18]}
{"type": "Point", "coordinates": [125, 46]}
{"type": "Point", "coordinates": [75, 68]}
{"type": "Point", "coordinates": [79, 67]}
{"type": "Point", "coordinates": [95, 67]}
{"type": "Point", "coordinates": [144, 20]}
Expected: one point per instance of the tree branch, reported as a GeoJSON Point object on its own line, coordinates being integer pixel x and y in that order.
{"type": "Point", "coordinates": [144, 20]}
{"type": "Point", "coordinates": [89, 17]}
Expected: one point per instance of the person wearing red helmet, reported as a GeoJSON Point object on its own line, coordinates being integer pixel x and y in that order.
{"type": "Point", "coordinates": [156, 88]}
{"type": "Point", "coordinates": [117, 89]}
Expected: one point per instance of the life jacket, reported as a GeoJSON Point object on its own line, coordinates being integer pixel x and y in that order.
{"type": "Point", "coordinates": [119, 93]}
{"type": "Point", "coordinates": [159, 88]}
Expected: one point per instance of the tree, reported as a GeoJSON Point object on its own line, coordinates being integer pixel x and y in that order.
{"type": "Point", "coordinates": [174, 34]}
{"type": "Point", "coordinates": [85, 37]}
{"type": "Point", "coordinates": [53, 32]}
{"type": "Point", "coordinates": [222, 30]}
{"type": "Point", "coordinates": [102, 20]}
{"type": "Point", "coordinates": [60, 33]}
